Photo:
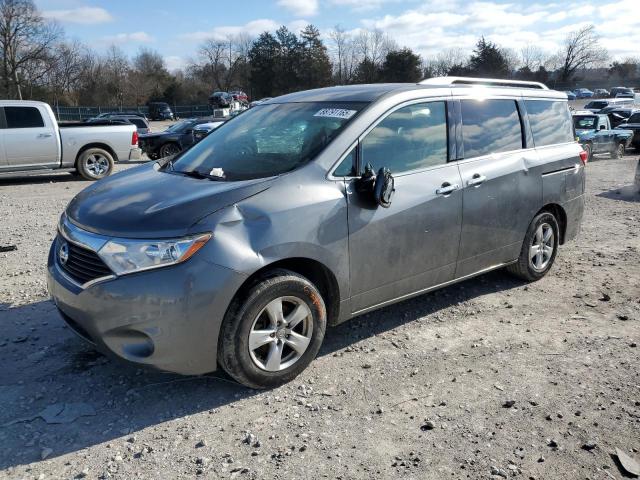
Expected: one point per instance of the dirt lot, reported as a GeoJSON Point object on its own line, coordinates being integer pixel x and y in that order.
{"type": "Point", "coordinates": [492, 378]}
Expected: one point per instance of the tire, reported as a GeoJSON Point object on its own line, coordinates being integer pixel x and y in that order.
{"type": "Point", "coordinates": [589, 149]}
{"type": "Point", "coordinates": [169, 149]}
{"type": "Point", "coordinates": [618, 152]}
{"type": "Point", "coordinates": [94, 164]}
{"type": "Point", "coordinates": [532, 268]}
{"type": "Point", "coordinates": [256, 311]}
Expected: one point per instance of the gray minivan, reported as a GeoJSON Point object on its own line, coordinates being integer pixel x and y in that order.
{"type": "Point", "coordinates": [310, 209]}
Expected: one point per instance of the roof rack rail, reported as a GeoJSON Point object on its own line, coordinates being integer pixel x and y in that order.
{"type": "Point", "coordinates": [486, 82]}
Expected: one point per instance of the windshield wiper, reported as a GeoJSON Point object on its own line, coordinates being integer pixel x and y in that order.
{"type": "Point", "coordinates": [197, 174]}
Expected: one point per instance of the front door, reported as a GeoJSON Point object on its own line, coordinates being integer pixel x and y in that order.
{"type": "Point", "coordinates": [412, 244]}
{"type": "Point", "coordinates": [29, 139]}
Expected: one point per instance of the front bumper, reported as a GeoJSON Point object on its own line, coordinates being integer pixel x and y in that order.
{"type": "Point", "coordinates": [168, 318]}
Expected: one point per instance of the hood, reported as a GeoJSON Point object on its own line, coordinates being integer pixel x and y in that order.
{"type": "Point", "coordinates": [145, 202]}
{"type": "Point", "coordinates": [144, 136]}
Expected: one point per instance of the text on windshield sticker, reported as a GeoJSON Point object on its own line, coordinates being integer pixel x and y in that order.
{"type": "Point", "coordinates": [335, 113]}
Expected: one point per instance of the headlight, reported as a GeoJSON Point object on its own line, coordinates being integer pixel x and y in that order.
{"type": "Point", "coordinates": [127, 256]}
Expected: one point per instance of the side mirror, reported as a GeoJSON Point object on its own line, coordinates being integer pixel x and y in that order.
{"type": "Point", "coordinates": [377, 189]}
{"type": "Point", "coordinates": [384, 188]}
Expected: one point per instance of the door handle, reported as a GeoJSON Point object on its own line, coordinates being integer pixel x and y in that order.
{"type": "Point", "coordinates": [447, 188]}
{"type": "Point", "coordinates": [477, 179]}
{"type": "Point", "coordinates": [45, 135]}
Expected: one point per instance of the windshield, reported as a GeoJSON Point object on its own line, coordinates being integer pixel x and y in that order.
{"type": "Point", "coordinates": [596, 105]}
{"type": "Point", "coordinates": [180, 126]}
{"type": "Point", "coordinates": [268, 140]}
{"type": "Point", "coordinates": [585, 123]}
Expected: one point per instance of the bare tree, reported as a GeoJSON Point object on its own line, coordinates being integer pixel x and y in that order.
{"type": "Point", "coordinates": [24, 38]}
{"type": "Point", "coordinates": [373, 45]}
{"type": "Point", "coordinates": [222, 61]}
{"type": "Point", "coordinates": [445, 61]}
{"type": "Point", "coordinates": [532, 57]}
{"type": "Point", "coordinates": [581, 49]}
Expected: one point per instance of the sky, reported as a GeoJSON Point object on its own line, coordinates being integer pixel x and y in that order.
{"type": "Point", "coordinates": [175, 28]}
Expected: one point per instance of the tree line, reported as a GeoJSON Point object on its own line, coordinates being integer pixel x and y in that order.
{"type": "Point", "coordinates": [37, 61]}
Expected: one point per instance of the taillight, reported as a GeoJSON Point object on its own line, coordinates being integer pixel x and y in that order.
{"type": "Point", "coordinates": [584, 156]}
{"type": "Point", "coordinates": [134, 138]}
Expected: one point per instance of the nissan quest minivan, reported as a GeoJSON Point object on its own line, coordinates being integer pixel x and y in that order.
{"type": "Point", "coordinates": [310, 209]}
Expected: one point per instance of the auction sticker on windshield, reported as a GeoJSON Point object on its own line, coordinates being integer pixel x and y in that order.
{"type": "Point", "coordinates": [335, 113]}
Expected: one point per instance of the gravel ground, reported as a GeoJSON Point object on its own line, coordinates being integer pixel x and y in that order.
{"type": "Point", "coordinates": [491, 378]}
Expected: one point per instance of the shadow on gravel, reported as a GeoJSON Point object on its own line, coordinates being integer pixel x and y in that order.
{"type": "Point", "coordinates": [34, 179]}
{"type": "Point", "coordinates": [45, 366]}
{"type": "Point", "coordinates": [628, 193]}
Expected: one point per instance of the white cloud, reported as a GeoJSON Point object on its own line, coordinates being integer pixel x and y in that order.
{"type": "Point", "coordinates": [133, 37]}
{"type": "Point", "coordinates": [302, 8]}
{"type": "Point", "coordinates": [174, 62]}
{"type": "Point", "coordinates": [83, 15]}
{"type": "Point", "coordinates": [253, 28]}
{"type": "Point", "coordinates": [361, 5]}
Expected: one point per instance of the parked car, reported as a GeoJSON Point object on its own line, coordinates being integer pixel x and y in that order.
{"type": "Point", "coordinates": [570, 95]}
{"type": "Point", "coordinates": [202, 130]}
{"type": "Point", "coordinates": [601, 93]}
{"type": "Point", "coordinates": [620, 115]}
{"type": "Point", "coordinates": [240, 96]}
{"type": "Point", "coordinates": [596, 105]}
{"type": "Point", "coordinates": [220, 100]}
{"type": "Point", "coordinates": [171, 141]}
{"type": "Point", "coordinates": [258, 102]}
{"type": "Point", "coordinates": [160, 111]}
{"type": "Point", "coordinates": [115, 112]}
{"type": "Point", "coordinates": [596, 135]}
{"type": "Point", "coordinates": [141, 123]}
{"type": "Point", "coordinates": [620, 90]}
{"type": "Point", "coordinates": [301, 214]}
{"type": "Point", "coordinates": [583, 93]}
{"type": "Point", "coordinates": [632, 124]}
{"type": "Point", "coordinates": [31, 139]}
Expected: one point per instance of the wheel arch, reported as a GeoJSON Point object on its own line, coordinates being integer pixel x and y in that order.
{"type": "Point", "coordinates": [316, 272]}
{"type": "Point", "coordinates": [561, 216]}
{"type": "Point", "coordinates": [103, 146]}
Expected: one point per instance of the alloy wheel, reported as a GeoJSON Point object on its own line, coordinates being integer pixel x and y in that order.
{"type": "Point", "coordinates": [280, 334]}
{"type": "Point", "coordinates": [541, 248]}
{"type": "Point", "coordinates": [97, 165]}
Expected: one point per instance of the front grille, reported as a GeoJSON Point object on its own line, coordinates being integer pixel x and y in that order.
{"type": "Point", "coordinates": [84, 265]}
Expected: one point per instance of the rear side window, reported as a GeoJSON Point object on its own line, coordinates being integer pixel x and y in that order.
{"type": "Point", "coordinates": [490, 126]}
{"type": "Point", "coordinates": [23, 117]}
{"type": "Point", "coordinates": [550, 122]}
{"type": "Point", "coordinates": [410, 138]}
{"type": "Point", "coordinates": [635, 118]}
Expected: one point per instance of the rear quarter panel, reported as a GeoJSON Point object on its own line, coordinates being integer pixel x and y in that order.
{"type": "Point", "coordinates": [116, 137]}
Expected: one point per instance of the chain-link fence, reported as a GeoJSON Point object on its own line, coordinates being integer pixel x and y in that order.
{"type": "Point", "coordinates": [74, 114]}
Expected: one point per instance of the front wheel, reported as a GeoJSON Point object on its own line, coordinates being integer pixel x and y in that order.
{"type": "Point", "coordinates": [538, 249]}
{"type": "Point", "coordinates": [94, 164]}
{"type": "Point", "coordinates": [271, 334]}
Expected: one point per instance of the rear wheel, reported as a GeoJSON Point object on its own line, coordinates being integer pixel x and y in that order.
{"type": "Point", "coordinates": [169, 149]}
{"type": "Point", "coordinates": [271, 334]}
{"type": "Point", "coordinates": [538, 249]}
{"type": "Point", "coordinates": [94, 164]}
{"type": "Point", "coordinates": [618, 152]}
{"type": "Point", "coordinates": [589, 149]}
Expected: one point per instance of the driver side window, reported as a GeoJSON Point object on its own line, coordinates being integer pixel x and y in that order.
{"type": "Point", "coordinates": [411, 138]}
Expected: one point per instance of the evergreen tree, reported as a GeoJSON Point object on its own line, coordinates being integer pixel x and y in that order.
{"type": "Point", "coordinates": [488, 61]}
{"type": "Point", "coordinates": [315, 66]}
{"type": "Point", "coordinates": [401, 66]}
{"type": "Point", "coordinates": [263, 57]}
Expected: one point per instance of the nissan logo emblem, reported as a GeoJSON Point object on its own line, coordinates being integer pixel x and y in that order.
{"type": "Point", "coordinates": [63, 253]}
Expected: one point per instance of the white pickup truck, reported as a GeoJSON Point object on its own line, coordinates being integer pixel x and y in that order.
{"type": "Point", "coordinates": [32, 140]}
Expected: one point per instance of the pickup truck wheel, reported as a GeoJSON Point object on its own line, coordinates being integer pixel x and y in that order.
{"type": "Point", "coordinates": [94, 164]}
{"type": "Point", "coordinates": [169, 149]}
{"type": "Point", "coordinates": [618, 152]}
{"type": "Point", "coordinates": [589, 149]}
